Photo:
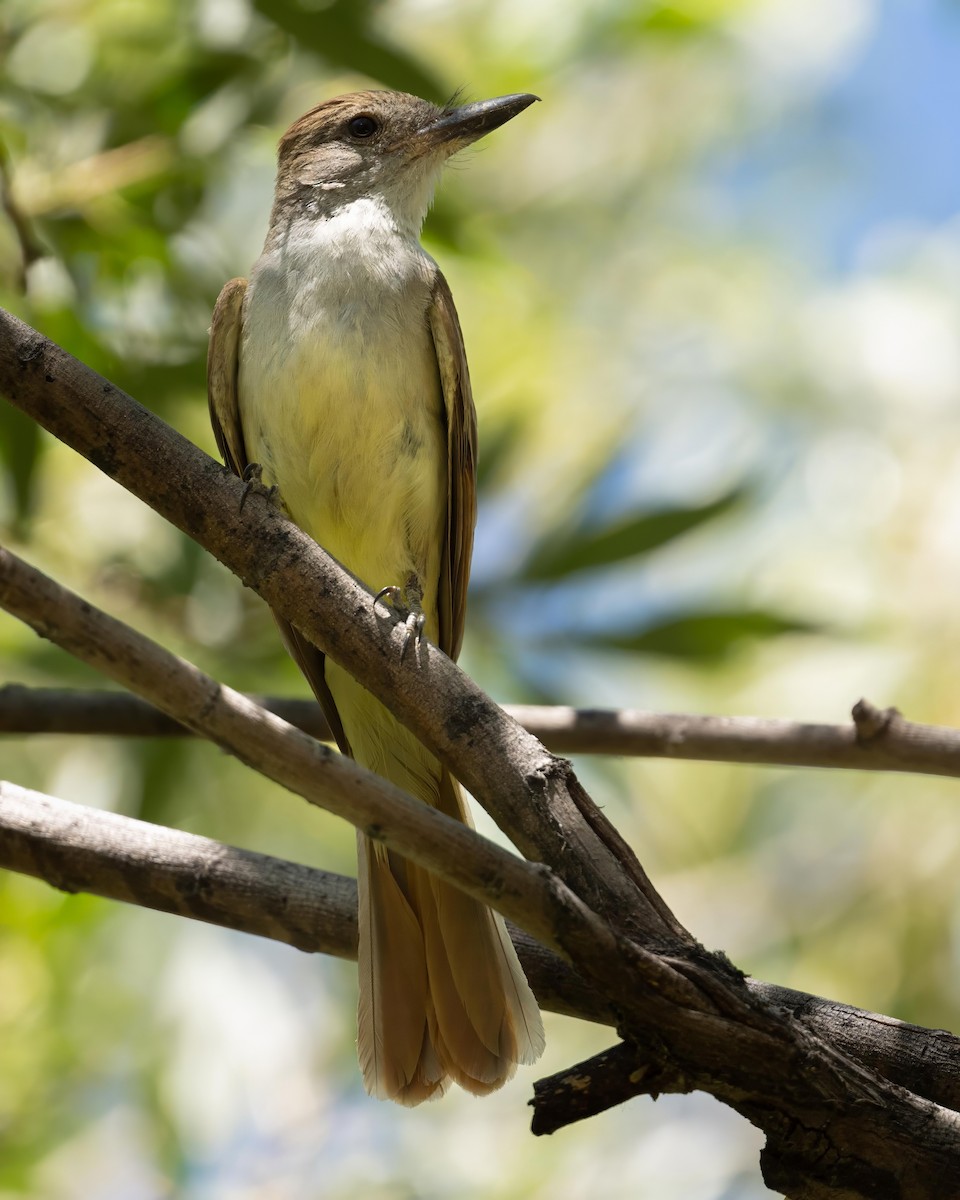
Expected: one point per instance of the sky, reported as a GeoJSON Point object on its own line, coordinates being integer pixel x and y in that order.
{"type": "Point", "coordinates": [879, 144]}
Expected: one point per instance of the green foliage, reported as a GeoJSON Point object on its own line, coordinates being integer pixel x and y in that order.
{"type": "Point", "coordinates": [19, 450]}
{"type": "Point", "coordinates": [707, 637]}
{"type": "Point", "coordinates": [569, 551]}
{"type": "Point", "coordinates": [607, 303]}
{"type": "Point", "coordinates": [340, 33]}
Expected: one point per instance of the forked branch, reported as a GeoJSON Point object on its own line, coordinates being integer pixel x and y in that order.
{"type": "Point", "coordinates": [834, 1126]}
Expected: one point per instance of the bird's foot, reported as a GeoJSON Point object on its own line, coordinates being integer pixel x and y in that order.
{"type": "Point", "coordinates": [253, 482]}
{"type": "Point", "coordinates": [406, 602]}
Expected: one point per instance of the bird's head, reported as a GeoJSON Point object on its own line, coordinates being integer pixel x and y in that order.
{"type": "Point", "coordinates": [385, 144]}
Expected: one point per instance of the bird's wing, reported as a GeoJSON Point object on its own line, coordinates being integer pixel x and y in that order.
{"type": "Point", "coordinates": [223, 370]}
{"type": "Point", "coordinates": [223, 367]}
{"type": "Point", "coordinates": [461, 466]}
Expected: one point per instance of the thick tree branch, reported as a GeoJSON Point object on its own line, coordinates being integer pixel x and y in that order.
{"type": "Point", "coordinates": [874, 740]}
{"type": "Point", "coordinates": [80, 849]}
{"type": "Point", "coordinates": [924, 1061]}
{"type": "Point", "coordinates": [535, 798]}
{"type": "Point", "coordinates": [834, 1129]}
{"type": "Point", "coordinates": [522, 891]}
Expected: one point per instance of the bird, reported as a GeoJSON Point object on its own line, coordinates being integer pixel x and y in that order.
{"type": "Point", "coordinates": [338, 383]}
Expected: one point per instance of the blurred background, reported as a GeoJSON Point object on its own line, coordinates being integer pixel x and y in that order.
{"type": "Point", "coordinates": [710, 290]}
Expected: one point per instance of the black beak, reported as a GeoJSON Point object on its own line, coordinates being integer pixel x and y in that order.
{"type": "Point", "coordinates": [472, 121]}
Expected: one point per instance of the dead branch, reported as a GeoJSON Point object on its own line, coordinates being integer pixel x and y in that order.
{"type": "Point", "coordinates": [834, 1127]}
{"type": "Point", "coordinates": [864, 744]}
{"type": "Point", "coordinates": [81, 849]}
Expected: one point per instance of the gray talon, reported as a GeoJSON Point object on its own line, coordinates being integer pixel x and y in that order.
{"type": "Point", "coordinates": [393, 592]}
{"type": "Point", "coordinates": [406, 602]}
{"type": "Point", "coordinates": [253, 482]}
{"type": "Point", "coordinates": [412, 631]}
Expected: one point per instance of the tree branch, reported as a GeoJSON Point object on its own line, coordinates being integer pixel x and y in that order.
{"type": "Point", "coordinates": [534, 797]}
{"type": "Point", "coordinates": [81, 849]}
{"type": "Point", "coordinates": [28, 243]}
{"type": "Point", "coordinates": [924, 1061]}
{"type": "Point", "coordinates": [834, 1128]}
{"type": "Point", "coordinates": [875, 740]}
{"type": "Point", "coordinates": [520, 890]}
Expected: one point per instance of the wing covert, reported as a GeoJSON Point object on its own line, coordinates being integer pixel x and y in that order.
{"type": "Point", "coordinates": [223, 372]}
{"type": "Point", "coordinates": [223, 369]}
{"type": "Point", "coordinates": [461, 466]}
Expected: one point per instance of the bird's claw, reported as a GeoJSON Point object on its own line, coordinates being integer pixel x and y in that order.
{"type": "Point", "coordinates": [393, 592]}
{"type": "Point", "coordinates": [253, 482]}
{"type": "Point", "coordinates": [412, 631]}
{"type": "Point", "coordinates": [406, 602]}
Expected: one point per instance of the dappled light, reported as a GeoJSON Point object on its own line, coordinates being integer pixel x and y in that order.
{"type": "Point", "coordinates": [710, 295]}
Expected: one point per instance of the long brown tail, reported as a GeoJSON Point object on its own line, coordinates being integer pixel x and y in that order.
{"type": "Point", "coordinates": [442, 993]}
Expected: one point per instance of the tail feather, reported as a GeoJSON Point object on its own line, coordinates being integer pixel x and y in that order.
{"type": "Point", "coordinates": [485, 970]}
{"type": "Point", "coordinates": [442, 993]}
{"type": "Point", "coordinates": [486, 1019]}
{"type": "Point", "coordinates": [397, 1059]}
{"type": "Point", "coordinates": [520, 1000]}
{"type": "Point", "coordinates": [467, 943]}
{"type": "Point", "coordinates": [480, 1058]}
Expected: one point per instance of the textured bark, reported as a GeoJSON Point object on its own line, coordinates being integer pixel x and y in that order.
{"type": "Point", "coordinates": [835, 1126]}
{"type": "Point", "coordinates": [80, 849]}
{"type": "Point", "coordinates": [863, 744]}
{"type": "Point", "coordinates": [524, 788]}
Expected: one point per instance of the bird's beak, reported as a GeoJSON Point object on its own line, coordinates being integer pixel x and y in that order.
{"type": "Point", "coordinates": [460, 126]}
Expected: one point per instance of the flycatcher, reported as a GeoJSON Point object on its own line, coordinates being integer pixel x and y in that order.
{"type": "Point", "coordinates": [337, 375]}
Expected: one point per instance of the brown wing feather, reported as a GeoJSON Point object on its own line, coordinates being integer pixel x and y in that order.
{"type": "Point", "coordinates": [461, 466]}
{"type": "Point", "coordinates": [311, 661]}
{"type": "Point", "coordinates": [223, 366]}
{"type": "Point", "coordinates": [223, 369]}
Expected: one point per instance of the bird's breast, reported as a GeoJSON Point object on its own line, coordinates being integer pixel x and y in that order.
{"type": "Point", "coordinates": [341, 404]}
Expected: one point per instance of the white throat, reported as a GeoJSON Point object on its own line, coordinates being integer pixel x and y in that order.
{"type": "Point", "coordinates": [355, 271]}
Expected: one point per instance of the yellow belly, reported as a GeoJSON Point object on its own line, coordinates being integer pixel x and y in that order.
{"type": "Point", "coordinates": [358, 451]}
{"type": "Point", "coordinates": [341, 405]}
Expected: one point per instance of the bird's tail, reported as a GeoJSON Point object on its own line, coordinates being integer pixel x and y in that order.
{"type": "Point", "coordinates": [442, 993]}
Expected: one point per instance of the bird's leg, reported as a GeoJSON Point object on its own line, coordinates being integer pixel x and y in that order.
{"type": "Point", "coordinates": [408, 603]}
{"type": "Point", "coordinates": [253, 482]}
{"type": "Point", "coordinates": [413, 594]}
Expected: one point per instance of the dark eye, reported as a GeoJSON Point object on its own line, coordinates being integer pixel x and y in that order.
{"type": "Point", "coordinates": [362, 127]}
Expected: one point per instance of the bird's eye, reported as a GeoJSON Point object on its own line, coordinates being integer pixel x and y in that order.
{"type": "Point", "coordinates": [362, 127]}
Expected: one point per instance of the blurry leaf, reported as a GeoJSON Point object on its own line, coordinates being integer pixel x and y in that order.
{"type": "Point", "coordinates": [676, 21]}
{"type": "Point", "coordinates": [164, 109]}
{"type": "Point", "coordinates": [447, 227]}
{"type": "Point", "coordinates": [704, 636]}
{"type": "Point", "coordinates": [163, 769]}
{"type": "Point", "coordinates": [496, 444]}
{"type": "Point", "coordinates": [176, 577]}
{"type": "Point", "coordinates": [567, 551]}
{"type": "Point", "coordinates": [682, 19]}
{"type": "Point", "coordinates": [339, 34]}
{"type": "Point", "coordinates": [19, 453]}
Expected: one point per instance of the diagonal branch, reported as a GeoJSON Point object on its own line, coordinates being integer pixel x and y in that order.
{"type": "Point", "coordinates": [834, 1128]}
{"type": "Point", "coordinates": [81, 849]}
{"type": "Point", "coordinates": [874, 740]}
{"type": "Point", "coordinates": [524, 892]}
{"type": "Point", "coordinates": [535, 798]}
